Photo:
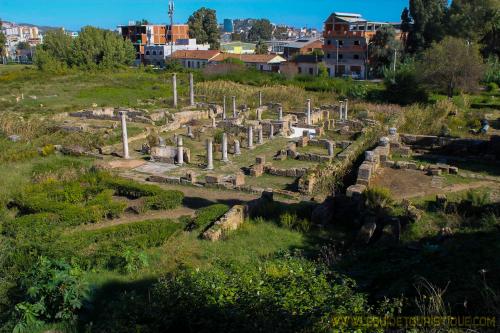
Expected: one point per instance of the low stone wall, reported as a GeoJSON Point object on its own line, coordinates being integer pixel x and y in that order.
{"type": "Point", "coordinates": [231, 221]}
{"type": "Point", "coordinates": [453, 146]}
{"type": "Point", "coordinates": [293, 172]}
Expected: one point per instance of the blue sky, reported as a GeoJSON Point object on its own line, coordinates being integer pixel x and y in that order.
{"type": "Point", "coordinates": [73, 14]}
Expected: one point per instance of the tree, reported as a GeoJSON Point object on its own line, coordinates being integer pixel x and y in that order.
{"type": "Point", "coordinates": [404, 86]}
{"type": "Point", "coordinates": [382, 47]}
{"type": "Point", "coordinates": [203, 26]}
{"type": "Point", "coordinates": [57, 44]}
{"type": "Point", "coordinates": [97, 47]}
{"type": "Point", "coordinates": [406, 24]}
{"type": "Point", "coordinates": [261, 48]}
{"type": "Point", "coordinates": [476, 21]}
{"type": "Point", "coordinates": [261, 30]}
{"type": "Point", "coordinates": [3, 40]}
{"type": "Point", "coordinates": [452, 64]}
{"type": "Point", "coordinates": [23, 46]}
{"type": "Point", "coordinates": [429, 23]}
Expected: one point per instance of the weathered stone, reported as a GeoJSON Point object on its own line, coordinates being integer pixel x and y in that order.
{"type": "Point", "coordinates": [239, 179]}
{"type": "Point", "coordinates": [453, 170]}
{"type": "Point", "coordinates": [191, 176]}
{"type": "Point", "coordinates": [355, 191]}
{"type": "Point", "coordinates": [366, 232]}
{"type": "Point", "coordinates": [260, 159]}
{"type": "Point", "coordinates": [257, 170]}
{"type": "Point", "coordinates": [229, 222]}
{"type": "Point", "coordinates": [213, 179]}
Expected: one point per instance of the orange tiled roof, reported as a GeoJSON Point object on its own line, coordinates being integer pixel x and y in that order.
{"type": "Point", "coordinates": [195, 54]}
{"type": "Point", "coordinates": [248, 58]}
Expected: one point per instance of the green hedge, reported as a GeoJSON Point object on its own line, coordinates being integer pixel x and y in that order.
{"type": "Point", "coordinates": [206, 216]}
{"type": "Point", "coordinates": [164, 200]}
{"type": "Point", "coordinates": [105, 247]}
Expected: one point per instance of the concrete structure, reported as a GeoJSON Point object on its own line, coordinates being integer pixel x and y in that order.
{"type": "Point", "coordinates": [301, 46]}
{"type": "Point", "coordinates": [195, 58]}
{"type": "Point", "coordinates": [250, 137]}
{"type": "Point", "coordinates": [235, 114]}
{"type": "Point", "coordinates": [261, 135]}
{"type": "Point", "coordinates": [210, 157]}
{"type": "Point", "coordinates": [156, 55]}
{"type": "Point", "coordinates": [180, 151]}
{"type": "Point", "coordinates": [123, 118]}
{"type": "Point", "coordinates": [224, 148]}
{"type": "Point", "coordinates": [238, 48]}
{"type": "Point", "coordinates": [308, 115]}
{"type": "Point", "coordinates": [346, 42]}
{"type": "Point", "coordinates": [174, 89]}
{"type": "Point", "coordinates": [237, 147]}
{"type": "Point", "coordinates": [191, 89]}
{"type": "Point", "coordinates": [152, 34]}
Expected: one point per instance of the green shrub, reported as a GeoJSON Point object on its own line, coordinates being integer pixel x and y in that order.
{"type": "Point", "coordinates": [164, 200]}
{"type": "Point", "coordinates": [206, 216]}
{"type": "Point", "coordinates": [282, 295]}
{"type": "Point", "coordinates": [131, 189]}
{"type": "Point", "coordinates": [48, 150]}
{"type": "Point", "coordinates": [491, 87]}
{"type": "Point", "coordinates": [293, 222]}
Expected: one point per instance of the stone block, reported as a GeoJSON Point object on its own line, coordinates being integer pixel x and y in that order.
{"type": "Point", "coordinates": [355, 191]}
{"type": "Point", "coordinates": [191, 176]}
{"type": "Point", "coordinates": [260, 159]}
{"type": "Point", "coordinates": [213, 179]}
{"type": "Point", "coordinates": [412, 166]}
{"type": "Point", "coordinates": [435, 172]}
{"type": "Point", "coordinates": [257, 170]}
{"type": "Point", "coordinates": [239, 179]}
{"type": "Point", "coordinates": [453, 170]}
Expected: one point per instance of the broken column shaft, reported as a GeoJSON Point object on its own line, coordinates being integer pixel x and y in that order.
{"type": "Point", "coordinates": [210, 158]}
{"type": "Point", "coordinates": [174, 88]}
{"type": "Point", "coordinates": [123, 117]}
{"type": "Point", "coordinates": [191, 89]}
{"type": "Point", "coordinates": [224, 148]}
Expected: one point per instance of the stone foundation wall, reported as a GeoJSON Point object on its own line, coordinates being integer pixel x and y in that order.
{"type": "Point", "coordinates": [231, 221]}
{"type": "Point", "coordinates": [453, 146]}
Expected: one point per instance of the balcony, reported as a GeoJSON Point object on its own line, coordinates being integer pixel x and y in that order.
{"type": "Point", "coordinates": [343, 33]}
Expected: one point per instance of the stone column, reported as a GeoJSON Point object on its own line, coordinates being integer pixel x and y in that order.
{"type": "Point", "coordinates": [214, 124]}
{"type": "Point", "coordinates": [261, 135]}
{"type": "Point", "coordinates": [174, 87]}
{"type": "Point", "coordinates": [259, 114]}
{"type": "Point", "coordinates": [308, 121]}
{"type": "Point", "coordinates": [260, 98]}
{"type": "Point", "coordinates": [250, 137]}
{"type": "Point", "coordinates": [329, 146]}
{"type": "Point", "coordinates": [180, 151]}
{"type": "Point", "coordinates": [341, 110]}
{"type": "Point", "coordinates": [280, 113]}
{"type": "Point", "coordinates": [191, 89]}
{"type": "Point", "coordinates": [123, 117]}
{"type": "Point", "coordinates": [345, 109]}
{"type": "Point", "coordinates": [271, 132]}
{"type": "Point", "coordinates": [224, 148]}
{"type": "Point", "coordinates": [234, 107]}
{"type": "Point", "coordinates": [237, 148]}
{"type": "Point", "coordinates": [210, 157]}
{"type": "Point", "coordinates": [224, 108]}
{"type": "Point", "coordinates": [190, 131]}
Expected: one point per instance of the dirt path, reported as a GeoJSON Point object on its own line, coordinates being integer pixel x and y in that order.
{"type": "Point", "coordinates": [132, 218]}
{"type": "Point", "coordinates": [406, 184]}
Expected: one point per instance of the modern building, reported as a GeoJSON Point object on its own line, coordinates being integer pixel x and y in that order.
{"type": "Point", "coordinates": [195, 59]}
{"type": "Point", "coordinates": [261, 62]}
{"type": "Point", "coordinates": [302, 46]}
{"type": "Point", "coordinates": [238, 48]}
{"type": "Point", "coordinates": [346, 38]}
{"type": "Point", "coordinates": [156, 54]}
{"type": "Point", "coordinates": [16, 34]}
{"type": "Point", "coordinates": [228, 26]}
{"type": "Point", "coordinates": [142, 35]}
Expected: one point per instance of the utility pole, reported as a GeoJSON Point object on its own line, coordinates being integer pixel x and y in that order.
{"type": "Point", "coordinates": [171, 9]}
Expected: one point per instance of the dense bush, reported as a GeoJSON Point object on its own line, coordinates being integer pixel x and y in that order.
{"type": "Point", "coordinates": [404, 87]}
{"type": "Point", "coordinates": [53, 291]}
{"type": "Point", "coordinates": [105, 247]}
{"type": "Point", "coordinates": [283, 295]}
{"type": "Point", "coordinates": [206, 216]}
{"type": "Point", "coordinates": [129, 188]}
{"type": "Point", "coordinates": [164, 200]}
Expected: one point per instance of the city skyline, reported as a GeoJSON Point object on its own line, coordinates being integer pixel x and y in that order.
{"type": "Point", "coordinates": [76, 14]}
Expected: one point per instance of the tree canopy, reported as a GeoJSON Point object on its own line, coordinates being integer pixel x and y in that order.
{"type": "Point", "coordinates": [93, 48]}
{"type": "Point", "coordinates": [261, 30]}
{"type": "Point", "coordinates": [3, 40]}
{"type": "Point", "coordinates": [203, 26]}
{"type": "Point", "coordinates": [452, 64]}
{"type": "Point", "coordinates": [382, 47]}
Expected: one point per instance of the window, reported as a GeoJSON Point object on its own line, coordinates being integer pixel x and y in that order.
{"type": "Point", "coordinates": [356, 42]}
{"type": "Point", "coordinates": [329, 42]}
{"type": "Point", "coordinates": [261, 67]}
{"type": "Point", "coordinates": [328, 55]}
{"type": "Point", "coordinates": [341, 56]}
{"type": "Point", "coordinates": [341, 43]}
{"type": "Point", "coordinates": [311, 71]}
{"type": "Point", "coordinates": [147, 52]}
{"type": "Point", "coordinates": [154, 52]}
{"type": "Point", "coordinates": [161, 53]}
{"type": "Point", "coordinates": [356, 56]}
{"type": "Point", "coordinates": [189, 64]}
{"type": "Point", "coordinates": [300, 70]}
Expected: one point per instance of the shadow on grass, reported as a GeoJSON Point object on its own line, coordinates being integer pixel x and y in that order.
{"type": "Point", "coordinates": [467, 262]}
